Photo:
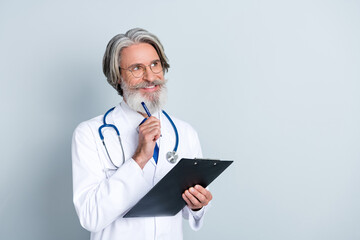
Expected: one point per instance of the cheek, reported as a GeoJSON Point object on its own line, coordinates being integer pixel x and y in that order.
{"type": "Point", "coordinates": [160, 76]}
{"type": "Point", "coordinates": [135, 81]}
{"type": "Point", "coordinates": [130, 80]}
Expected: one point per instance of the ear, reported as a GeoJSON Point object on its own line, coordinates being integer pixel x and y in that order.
{"type": "Point", "coordinates": [118, 86]}
{"type": "Point", "coordinates": [120, 78]}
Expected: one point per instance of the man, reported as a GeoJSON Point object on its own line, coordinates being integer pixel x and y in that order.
{"type": "Point", "coordinates": [112, 176]}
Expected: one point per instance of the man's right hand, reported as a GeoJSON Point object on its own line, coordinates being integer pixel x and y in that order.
{"type": "Point", "coordinates": [149, 132]}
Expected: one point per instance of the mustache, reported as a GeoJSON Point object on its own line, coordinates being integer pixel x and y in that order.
{"type": "Point", "coordinates": [157, 82]}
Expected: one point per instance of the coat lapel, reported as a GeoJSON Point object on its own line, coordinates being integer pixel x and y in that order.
{"type": "Point", "coordinates": [127, 129]}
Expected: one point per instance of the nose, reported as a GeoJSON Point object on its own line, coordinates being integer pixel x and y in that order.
{"type": "Point", "coordinates": [149, 75]}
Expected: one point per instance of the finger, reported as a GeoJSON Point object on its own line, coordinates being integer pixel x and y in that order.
{"type": "Point", "coordinates": [149, 125]}
{"type": "Point", "coordinates": [204, 192]}
{"type": "Point", "coordinates": [152, 120]}
{"type": "Point", "coordinates": [148, 119]}
{"type": "Point", "coordinates": [151, 134]}
{"type": "Point", "coordinates": [190, 204]}
{"type": "Point", "coordinates": [187, 200]}
{"type": "Point", "coordinates": [157, 137]}
{"type": "Point", "coordinates": [199, 196]}
{"type": "Point", "coordinates": [194, 201]}
{"type": "Point", "coordinates": [148, 128]}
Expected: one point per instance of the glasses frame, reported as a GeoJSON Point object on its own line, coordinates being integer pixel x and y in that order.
{"type": "Point", "coordinates": [143, 66]}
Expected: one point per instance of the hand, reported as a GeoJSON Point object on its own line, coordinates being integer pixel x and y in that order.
{"type": "Point", "coordinates": [149, 132]}
{"type": "Point", "coordinates": [197, 197]}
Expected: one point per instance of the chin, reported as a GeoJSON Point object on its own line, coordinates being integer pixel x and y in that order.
{"type": "Point", "coordinates": [155, 101]}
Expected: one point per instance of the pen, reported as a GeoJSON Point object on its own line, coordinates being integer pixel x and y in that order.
{"type": "Point", "coordinates": [146, 109]}
{"type": "Point", "coordinates": [147, 112]}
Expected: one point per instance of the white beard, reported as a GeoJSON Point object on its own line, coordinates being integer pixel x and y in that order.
{"type": "Point", "coordinates": [155, 101]}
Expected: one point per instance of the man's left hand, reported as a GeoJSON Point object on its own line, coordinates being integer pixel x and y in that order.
{"type": "Point", "coordinates": [197, 197]}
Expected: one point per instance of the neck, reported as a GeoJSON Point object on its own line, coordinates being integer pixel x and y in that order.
{"type": "Point", "coordinates": [144, 115]}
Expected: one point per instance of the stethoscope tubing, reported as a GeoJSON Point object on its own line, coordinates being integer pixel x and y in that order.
{"type": "Point", "coordinates": [105, 125]}
{"type": "Point", "coordinates": [175, 130]}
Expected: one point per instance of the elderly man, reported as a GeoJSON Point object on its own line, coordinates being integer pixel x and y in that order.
{"type": "Point", "coordinates": [119, 156]}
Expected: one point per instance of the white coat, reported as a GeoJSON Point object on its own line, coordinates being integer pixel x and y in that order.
{"type": "Point", "coordinates": [102, 194]}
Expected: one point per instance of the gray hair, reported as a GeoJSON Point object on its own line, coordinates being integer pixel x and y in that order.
{"type": "Point", "coordinates": [112, 56]}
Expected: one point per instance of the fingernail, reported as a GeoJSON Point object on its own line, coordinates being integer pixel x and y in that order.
{"type": "Point", "coordinates": [192, 189]}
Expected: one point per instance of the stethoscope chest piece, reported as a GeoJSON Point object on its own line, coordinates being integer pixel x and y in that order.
{"type": "Point", "coordinates": [172, 157]}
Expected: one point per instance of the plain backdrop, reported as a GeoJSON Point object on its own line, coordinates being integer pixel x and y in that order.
{"type": "Point", "coordinates": [272, 85]}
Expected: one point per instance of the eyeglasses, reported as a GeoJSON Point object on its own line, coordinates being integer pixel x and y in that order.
{"type": "Point", "coordinates": [138, 70]}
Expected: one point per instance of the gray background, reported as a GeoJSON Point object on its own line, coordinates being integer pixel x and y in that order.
{"type": "Point", "coordinates": [273, 85]}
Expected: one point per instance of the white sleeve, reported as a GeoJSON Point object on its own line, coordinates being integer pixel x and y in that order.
{"type": "Point", "coordinates": [195, 218]}
{"type": "Point", "coordinates": [99, 201]}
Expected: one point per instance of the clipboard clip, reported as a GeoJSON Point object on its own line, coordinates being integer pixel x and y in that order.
{"type": "Point", "coordinates": [215, 161]}
{"type": "Point", "coordinates": [212, 159]}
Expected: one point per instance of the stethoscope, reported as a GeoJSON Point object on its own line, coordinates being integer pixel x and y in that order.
{"type": "Point", "coordinates": [170, 156]}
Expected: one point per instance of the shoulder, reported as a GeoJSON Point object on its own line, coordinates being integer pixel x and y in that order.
{"type": "Point", "coordinates": [183, 126]}
{"type": "Point", "coordinates": [180, 122]}
{"type": "Point", "coordinates": [189, 143]}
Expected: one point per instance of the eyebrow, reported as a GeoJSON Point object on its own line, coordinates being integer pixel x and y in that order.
{"type": "Point", "coordinates": [135, 64]}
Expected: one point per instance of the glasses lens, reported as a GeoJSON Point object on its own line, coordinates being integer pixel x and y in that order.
{"type": "Point", "coordinates": [138, 71]}
{"type": "Point", "coordinates": [156, 66]}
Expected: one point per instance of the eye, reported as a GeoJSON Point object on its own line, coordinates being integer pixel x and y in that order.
{"type": "Point", "coordinates": [155, 63]}
{"type": "Point", "coordinates": [136, 68]}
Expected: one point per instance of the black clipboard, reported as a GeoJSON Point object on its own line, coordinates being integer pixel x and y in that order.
{"type": "Point", "coordinates": [165, 199]}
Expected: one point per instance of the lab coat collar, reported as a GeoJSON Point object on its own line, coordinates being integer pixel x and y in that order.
{"type": "Point", "coordinates": [135, 117]}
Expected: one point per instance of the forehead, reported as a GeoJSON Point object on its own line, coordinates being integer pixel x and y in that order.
{"type": "Point", "coordinates": [138, 53]}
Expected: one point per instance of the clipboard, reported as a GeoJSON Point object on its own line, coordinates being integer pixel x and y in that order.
{"type": "Point", "coordinates": [165, 199]}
